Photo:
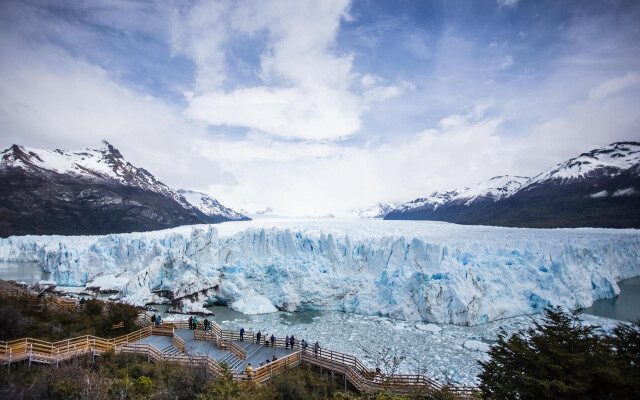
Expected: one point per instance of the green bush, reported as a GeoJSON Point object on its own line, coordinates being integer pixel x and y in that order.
{"type": "Point", "coordinates": [560, 358]}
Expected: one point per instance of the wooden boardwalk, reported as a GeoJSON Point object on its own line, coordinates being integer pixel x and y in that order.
{"type": "Point", "coordinates": [212, 349]}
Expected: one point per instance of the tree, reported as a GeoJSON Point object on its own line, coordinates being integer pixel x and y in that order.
{"type": "Point", "coordinates": [558, 358]}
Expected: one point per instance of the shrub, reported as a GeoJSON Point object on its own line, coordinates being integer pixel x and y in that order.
{"type": "Point", "coordinates": [561, 358]}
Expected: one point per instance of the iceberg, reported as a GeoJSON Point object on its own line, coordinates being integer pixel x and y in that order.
{"type": "Point", "coordinates": [420, 271]}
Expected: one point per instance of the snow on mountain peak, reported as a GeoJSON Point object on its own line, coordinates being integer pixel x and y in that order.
{"type": "Point", "coordinates": [379, 210]}
{"type": "Point", "coordinates": [612, 159]}
{"type": "Point", "coordinates": [493, 189]}
{"type": "Point", "coordinates": [209, 206]}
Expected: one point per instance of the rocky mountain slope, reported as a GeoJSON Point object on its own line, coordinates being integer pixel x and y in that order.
{"type": "Point", "coordinates": [91, 191]}
{"type": "Point", "coordinates": [600, 188]}
{"type": "Point", "coordinates": [210, 209]}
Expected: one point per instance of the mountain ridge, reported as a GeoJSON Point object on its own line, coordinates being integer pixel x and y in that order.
{"type": "Point", "coordinates": [599, 188]}
{"type": "Point", "coordinates": [88, 191]}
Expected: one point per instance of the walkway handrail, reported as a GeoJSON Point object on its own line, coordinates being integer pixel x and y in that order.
{"type": "Point", "coordinates": [178, 342]}
{"type": "Point", "coordinates": [355, 370]}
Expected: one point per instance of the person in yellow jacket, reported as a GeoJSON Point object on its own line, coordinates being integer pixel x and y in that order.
{"type": "Point", "coordinates": [249, 371]}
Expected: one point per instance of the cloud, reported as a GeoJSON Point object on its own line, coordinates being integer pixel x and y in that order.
{"type": "Point", "coordinates": [306, 88]}
{"type": "Point", "coordinates": [614, 86]}
{"type": "Point", "coordinates": [507, 3]}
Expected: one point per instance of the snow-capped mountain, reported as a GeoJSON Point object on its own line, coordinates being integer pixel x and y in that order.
{"type": "Point", "coordinates": [210, 207]}
{"type": "Point", "coordinates": [606, 162]}
{"type": "Point", "coordinates": [89, 191]}
{"type": "Point", "coordinates": [379, 210]}
{"type": "Point", "coordinates": [600, 188]}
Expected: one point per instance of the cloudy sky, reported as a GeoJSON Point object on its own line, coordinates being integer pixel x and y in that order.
{"type": "Point", "coordinates": [312, 107]}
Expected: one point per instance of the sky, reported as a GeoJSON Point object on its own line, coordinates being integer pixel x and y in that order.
{"type": "Point", "coordinates": [319, 107]}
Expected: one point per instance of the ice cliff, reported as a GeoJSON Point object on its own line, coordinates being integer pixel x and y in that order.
{"type": "Point", "coordinates": [413, 270]}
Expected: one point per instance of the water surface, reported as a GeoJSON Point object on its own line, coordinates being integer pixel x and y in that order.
{"type": "Point", "coordinates": [624, 307]}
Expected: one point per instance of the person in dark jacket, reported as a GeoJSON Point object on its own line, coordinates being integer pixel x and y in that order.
{"type": "Point", "coordinates": [206, 324]}
{"type": "Point", "coordinates": [258, 335]}
{"type": "Point", "coordinates": [286, 342]}
{"type": "Point", "coordinates": [292, 341]}
{"type": "Point", "coordinates": [242, 334]}
{"type": "Point", "coordinates": [153, 319]}
{"type": "Point", "coordinates": [316, 347]}
{"type": "Point", "coordinates": [191, 322]}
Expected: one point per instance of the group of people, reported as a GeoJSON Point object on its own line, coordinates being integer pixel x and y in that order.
{"type": "Point", "coordinates": [156, 320]}
{"type": "Point", "coordinates": [193, 323]}
{"type": "Point", "coordinates": [289, 341]}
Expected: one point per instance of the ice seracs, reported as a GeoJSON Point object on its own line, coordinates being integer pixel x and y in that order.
{"type": "Point", "coordinates": [417, 271]}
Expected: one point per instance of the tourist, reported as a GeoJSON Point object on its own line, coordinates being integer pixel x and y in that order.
{"type": "Point", "coordinates": [258, 335]}
{"type": "Point", "coordinates": [316, 347]}
{"type": "Point", "coordinates": [267, 362]}
{"type": "Point", "coordinates": [286, 342]}
{"type": "Point", "coordinates": [206, 324]}
{"type": "Point", "coordinates": [273, 341]}
{"type": "Point", "coordinates": [292, 341]}
{"type": "Point", "coordinates": [191, 322]}
{"type": "Point", "coordinates": [274, 358]}
{"type": "Point", "coordinates": [304, 345]}
{"type": "Point", "coordinates": [249, 371]}
{"type": "Point", "coordinates": [159, 320]}
{"type": "Point", "coordinates": [195, 323]}
{"type": "Point", "coordinates": [261, 364]}
{"type": "Point", "coordinates": [242, 334]}
{"type": "Point", "coordinates": [266, 340]}
{"type": "Point", "coordinates": [153, 319]}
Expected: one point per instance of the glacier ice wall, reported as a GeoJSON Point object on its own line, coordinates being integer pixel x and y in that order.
{"type": "Point", "coordinates": [413, 270]}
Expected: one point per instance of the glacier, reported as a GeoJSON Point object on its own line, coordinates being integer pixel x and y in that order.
{"type": "Point", "coordinates": [412, 270]}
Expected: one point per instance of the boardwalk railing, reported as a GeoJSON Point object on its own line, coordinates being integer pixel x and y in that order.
{"type": "Point", "coordinates": [356, 372]}
{"type": "Point", "coordinates": [274, 368]}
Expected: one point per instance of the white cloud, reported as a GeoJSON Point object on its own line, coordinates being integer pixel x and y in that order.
{"type": "Point", "coordinates": [613, 86]}
{"type": "Point", "coordinates": [307, 88]}
{"type": "Point", "coordinates": [506, 62]}
{"type": "Point", "coordinates": [507, 3]}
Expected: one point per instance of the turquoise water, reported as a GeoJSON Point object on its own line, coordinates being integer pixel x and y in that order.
{"type": "Point", "coordinates": [624, 307]}
{"type": "Point", "coordinates": [29, 272]}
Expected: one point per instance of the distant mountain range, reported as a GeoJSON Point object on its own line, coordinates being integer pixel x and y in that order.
{"type": "Point", "coordinates": [92, 191]}
{"type": "Point", "coordinates": [600, 188]}
{"type": "Point", "coordinates": [379, 210]}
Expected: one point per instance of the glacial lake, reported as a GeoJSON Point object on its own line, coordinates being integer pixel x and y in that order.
{"type": "Point", "coordinates": [624, 307]}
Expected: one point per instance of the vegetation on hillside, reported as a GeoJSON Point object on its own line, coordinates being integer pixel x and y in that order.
{"type": "Point", "coordinates": [20, 318]}
{"type": "Point", "coordinates": [125, 376]}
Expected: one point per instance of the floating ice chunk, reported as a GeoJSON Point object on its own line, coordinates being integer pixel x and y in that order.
{"type": "Point", "coordinates": [254, 304]}
{"type": "Point", "coordinates": [108, 282]}
{"type": "Point", "coordinates": [433, 328]}
{"type": "Point", "coordinates": [476, 345]}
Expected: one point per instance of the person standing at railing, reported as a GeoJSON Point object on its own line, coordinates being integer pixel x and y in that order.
{"type": "Point", "coordinates": [316, 348]}
{"type": "Point", "coordinates": [195, 323]}
{"type": "Point", "coordinates": [206, 324]}
{"type": "Point", "coordinates": [190, 322]}
{"type": "Point", "coordinates": [292, 341]}
{"type": "Point", "coordinates": [286, 342]}
{"type": "Point", "coordinates": [153, 319]}
{"type": "Point", "coordinates": [304, 345]}
{"type": "Point", "coordinates": [273, 341]}
{"type": "Point", "coordinates": [249, 371]}
{"type": "Point", "coordinates": [242, 334]}
{"type": "Point", "coordinates": [258, 335]}
{"type": "Point", "coordinates": [159, 320]}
